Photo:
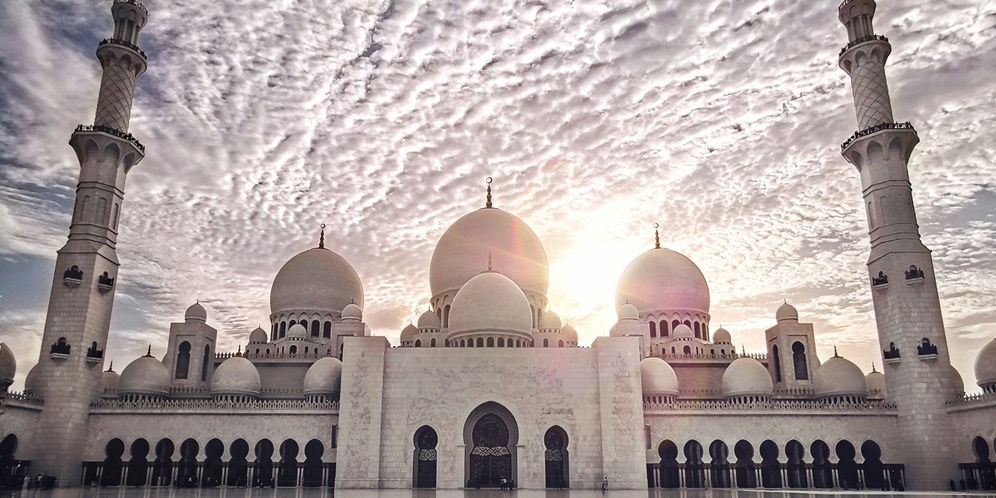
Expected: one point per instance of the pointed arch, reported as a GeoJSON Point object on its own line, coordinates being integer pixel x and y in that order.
{"type": "Point", "coordinates": [490, 437]}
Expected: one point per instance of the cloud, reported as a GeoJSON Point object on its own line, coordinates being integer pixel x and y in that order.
{"type": "Point", "coordinates": [720, 120]}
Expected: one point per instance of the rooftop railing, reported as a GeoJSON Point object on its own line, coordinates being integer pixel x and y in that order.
{"type": "Point", "coordinates": [875, 129]}
{"type": "Point", "coordinates": [861, 40]}
{"type": "Point", "coordinates": [111, 131]}
{"type": "Point", "coordinates": [115, 41]}
{"type": "Point", "coordinates": [212, 404]}
{"type": "Point", "coordinates": [766, 405]}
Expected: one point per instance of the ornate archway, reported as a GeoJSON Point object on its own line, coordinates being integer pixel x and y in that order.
{"type": "Point", "coordinates": [490, 436]}
{"type": "Point", "coordinates": [426, 440]}
{"type": "Point", "coordinates": [557, 463]}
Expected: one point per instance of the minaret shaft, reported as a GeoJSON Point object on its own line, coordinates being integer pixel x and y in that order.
{"type": "Point", "coordinates": [918, 372]}
{"type": "Point", "coordinates": [82, 296]}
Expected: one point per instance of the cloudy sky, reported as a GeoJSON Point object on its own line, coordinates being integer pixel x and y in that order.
{"type": "Point", "coordinates": [719, 119]}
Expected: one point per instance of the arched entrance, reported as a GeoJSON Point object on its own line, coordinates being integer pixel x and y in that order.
{"type": "Point", "coordinates": [720, 468]}
{"type": "Point", "coordinates": [557, 466]}
{"type": "Point", "coordinates": [426, 440]}
{"type": "Point", "coordinates": [12, 472]}
{"type": "Point", "coordinates": [111, 474]}
{"type": "Point", "coordinates": [490, 436]}
{"type": "Point", "coordinates": [874, 471]}
{"type": "Point", "coordinates": [670, 477]}
{"type": "Point", "coordinates": [162, 467]}
{"type": "Point", "coordinates": [262, 467]}
{"type": "Point", "coordinates": [313, 466]}
{"type": "Point", "coordinates": [138, 466]}
{"type": "Point", "coordinates": [847, 469]}
{"type": "Point", "coordinates": [238, 466]}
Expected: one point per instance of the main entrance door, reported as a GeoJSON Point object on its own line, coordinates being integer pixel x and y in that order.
{"type": "Point", "coordinates": [490, 458]}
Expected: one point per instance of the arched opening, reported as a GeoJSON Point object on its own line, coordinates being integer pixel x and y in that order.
{"type": "Point", "coordinates": [238, 466]}
{"type": "Point", "coordinates": [327, 330]}
{"type": "Point", "coordinates": [799, 361]}
{"type": "Point", "coordinates": [698, 330]}
{"type": "Point", "coordinates": [490, 436]}
{"type": "Point", "coordinates": [687, 350]}
{"type": "Point", "coordinates": [293, 350]}
{"type": "Point", "coordinates": [183, 360]}
{"type": "Point", "coordinates": [111, 473]}
{"type": "Point", "coordinates": [287, 472]}
{"type": "Point", "coordinates": [653, 329]}
{"type": "Point", "coordinates": [262, 467]}
{"type": "Point", "coordinates": [418, 343]}
{"type": "Point", "coordinates": [668, 451]}
{"type": "Point", "coordinates": [138, 465]}
{"type": "Point", "coordinates": [480, 342]}
{"type": "Point", "coordinates": [796, 466]}
{"type": "Point", "coordinates": [557, 464]}
{"type": "Point", "coordinates": [424, 475]}
{"type": "Point", "coordinates": [546, 344]}
{"type": "Point", "coordinates": [446, 317]}
{"type": "Point", "coordinates": [12, 473]}
{"type": "Point", "coordinates": [719, 470]}
{"type": "Point", "coordinates": [313, 466]}
{"type": "Point", "coordinates": [432, 342]}
{"type": "Point", "coordinates": [186, 473]}
{"type": "Point", "coordinates": [501, 342]}
{"type": "Point", "coordinates": [315, 325]}
{"type": "Point", "coordinates": [162, 467]}
{"type": "Point", "coordinates": [212, 469]}
{"type": "Point", "coordinates": [777, 363]}
{"type": "Point", "coordinates": [987, 473]}
{"type": "Point", "coordinates": [771, 470]}
{"type": "Point", "coordinates": [847, 469]}
{"type": "Point", "coordinates": [560, 344]}
{"type": "Point", "coordinates": [205, 365]}
{"type": "Point", "coordinates": [491, 342]}
{"type": "Point", "coordinates": [874, 470]}
{"type": "Point", "coordinates": [822, 470]}
{"type": "Point", "coordinates": [746, 475]}
{"type": "Point", "coordinates": [694, 467]}
{"type": "Point", "coordinates": [283, 329]}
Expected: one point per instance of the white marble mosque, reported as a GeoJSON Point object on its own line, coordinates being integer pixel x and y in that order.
{"type": "Point", "coordinates": [490, 388]}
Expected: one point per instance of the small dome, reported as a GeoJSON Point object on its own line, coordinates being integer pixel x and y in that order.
{"type": "Point", "coordinates": [428, 320]}
{"type": "Point", "coordinates": [683, 330]}
{"type": "Point", "coordinates": [146, 375]}
{"type": "Point", "coordinates": [658, 377]}
{"type": "Point", "coordinates": [196, 312]}
{"type": "Point", "coordinates": [955, 383]}
{"type": "Point", "coordinates": [627, 312]}
{"type": "Point", "coordinates": [721, 336]}
{"type": "Point", "coordinates": [408, 333]}
{"type": "Point", "coordinates": [746, 376]}
{"type": "Point", "coordinates": [550, 320]}
{"type": "Point", "coordinates": [324, 377]}
{"type": "Point", "coordinates": [663, 280]}
{"type": "Point", "coordinates": [258, 336]}
{"type": "Point", "coordinates": [236, 375]}
{"type": "Point", "coordinates": [8, 365]}
{"type": "Point", "coordinates": [109, 384]}
{"type": "Point", "coordinates": [786, 312]}
{"type": "Point", "coordinates": [569, 333]}
{"type": "Point", "coordinates": [31, 381]}
{"type": "Point", "coordinates": [352, 312]}
{"type": "Point", "coordinates": [297, 331]}
{"type": "Point", "coordinates": [985, 364]}
{"type": "Point", "coordinates": [875, 384]}
{"type": "Point", "coordinates": [315, 280]}
{"type": "Point", "coordinates": [463, 250]}
{"type": "Point", "coordinates": [490, 302]}
{"type": "Point", "coordinates": [839, 377]}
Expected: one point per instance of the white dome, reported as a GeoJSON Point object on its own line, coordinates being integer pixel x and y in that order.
{"type": "Point", "coordinates": [683, 330]}
{"type": "Point", "coordinates": [550, 320]}
{"type": "Point", "coordinates": [569, 333]}
{"type": "Point", "coordinates": [315, 280]}
{"type": "Point", "coordinates": [196, 312]}
{"type": "Point", "coordinates": [428, 320]}
{"type": "Point", "coordinates": [746, 376]}
{"type": "Point", "coordinates": [875, 384]}
{"type": "Point", "coordinates": [297, 331]}
{"type": "Point", "coordinates": [721, 336]}
{"type": "Point", "coordinates": [258, 336]}
{"type": "Point", "coordinates": [658, 377]}
{"type": "Point", "coordinates": [627, 312]}
{"type": "Point", "coordinates": [146, 375]}
{"type": "Point", "coordinates": [324, 377]}
{"type": "Point", "coordinates": [8, 365]}
{"type": "Point", "coordinates": [786, 312]}
{"type": "Point", "coordinates": [490, 302]}
{"type": "Point", "coordinates": [352, 312]}
{"type": "Point", "coordinates": [408, 333]}
{"type": "Point", "coordinates": [236, 375]}
{"type": "Point", "coordinates": [31, 381]}
{"type": "Point", "coordinates": [109, 381]}
{"type": "Point", "coordinates": [985, 364]}
{"type": "Point", "coordinates": [462, 252]}
{"type": "Point", "coordinates": [955, 383]}
{"type": "Point", "coordinates": [663, 280]}
{"type": "Point", "coordinates": [839, 377]}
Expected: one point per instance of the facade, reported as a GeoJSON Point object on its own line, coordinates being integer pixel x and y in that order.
{"type": "Point", "coordinates": [490, 388]}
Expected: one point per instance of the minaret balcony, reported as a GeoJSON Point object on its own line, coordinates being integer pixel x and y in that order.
{"type": "Point", "coordinates": [111, 131]}
{"type": "Point", "coordinates": [873, 130]}
{"type": "Point", "coordinates": [122, 43]}
{"type": "Point", "coordinates": [859, 41]}
{"type": "Point", "coordinates": [136, 3]}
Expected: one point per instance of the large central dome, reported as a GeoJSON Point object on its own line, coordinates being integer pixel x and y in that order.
{"type": "Point", "coordinates": [462, 252]}
{"type": "Point", "coordinates": [663, 280]}
{"type": "Point", "coordinates": [316, 280]}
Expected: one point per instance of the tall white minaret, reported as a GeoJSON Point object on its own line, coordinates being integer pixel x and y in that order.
{"type": "Point", "coordinates": [917, 369]}
{"type": "Point", "coordinates": [79, 308]}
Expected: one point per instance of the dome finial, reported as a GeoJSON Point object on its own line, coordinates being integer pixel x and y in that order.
{"type": "Point", "coordinates": [490, 263]}
{"type": "Point", "coordinates": [149, 352]}
{"type": "Point", "coordinates": [873, 367]}
{"type": "Point", "coordinates": [321, 238]}
{"type": "Point", "coordinates": [488, 204]}
{"type": "Point", "coordinates": [657, 236]}
{"type": "Point", "coordinates": [835, 355]}
{"type": "Point", "coordinates": [239, 352]}
{"type": "Point", "coordinates": [111, 368]}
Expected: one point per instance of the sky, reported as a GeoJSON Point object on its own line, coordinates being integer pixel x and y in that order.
{"type": "Point", "coordinates": [719, 119]}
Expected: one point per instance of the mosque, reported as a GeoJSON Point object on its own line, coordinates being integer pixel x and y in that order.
{"type": "Point", "coordinates": [491, 388]}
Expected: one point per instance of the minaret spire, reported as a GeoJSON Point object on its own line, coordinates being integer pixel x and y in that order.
{"type": "Point", "coordinates": [488, 204]}
{"type": "Point", "coordinates": [908, 310]}
{"type": "Point", "coordinates": [321, 238]}
{"type": "Point", "coordinates": [657, 236]}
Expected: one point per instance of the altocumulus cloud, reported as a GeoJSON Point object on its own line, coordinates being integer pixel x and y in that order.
{"type": "Point", "coordinates": [719, 119]}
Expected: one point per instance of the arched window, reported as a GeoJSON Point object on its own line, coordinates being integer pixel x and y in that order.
{"type": "Point", "coordinates": [418, 343]}
{"type": "Point", "coordinates": [491, 342]}
{"type": "Point", "coordinates": [653, 329]}
{"type": "Point", "coordinates": [480, 342]}
{"type": "Point", "coordinates": [687, 350]}
{"type": "Point", "coordinates": [293, 350]}
{"type": "Point", "coordinates": [663, 328]}
{"type": "Point", "coordinates": [674, 324]}
{"type": "Point", "coordinates": [432, 342]}
{"type": "Point", "coordinates": [327, 333]}
{"type": "Point", "coordinates": [697, 330]}
{"type": "Point", "coordinates": [501, 342]}
{"type": "Point", "coordinates": [778, 363]}
{"type": "Point", "coordinates": [546, 343]}
{"type": "Point", "coordinates": [206, 363]}
{"type": "Point", "coordinates": [183, 360]}
{"type": "Point", "coordinates": [315, 324]}
{"type": "Point", "coordinates": [283, 329]}
{"type": "Point", "coordinates": [560, 344]}
{"type": "Point", "coordinates": [446, 317]}
{"type": "Point", "coordinates": [799, 361]}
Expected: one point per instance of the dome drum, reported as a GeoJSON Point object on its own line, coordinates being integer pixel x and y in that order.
{"type": "Point", "coordinates": [490, 339]}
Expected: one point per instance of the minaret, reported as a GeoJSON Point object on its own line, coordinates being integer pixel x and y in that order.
{"type": "Point", "coordinates": [907, 310]}
{"type": "Point", "coordinates": [79, 308]}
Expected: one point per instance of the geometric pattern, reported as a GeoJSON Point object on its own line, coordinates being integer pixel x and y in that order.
{"type": "Point", "coordinates": [871, 94]}
{"type": "Point", "coordinates": [117, 89]}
